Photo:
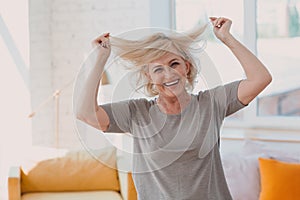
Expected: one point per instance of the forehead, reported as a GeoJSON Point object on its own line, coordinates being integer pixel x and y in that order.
{"type": "Point", "coordinates": [165, 59]}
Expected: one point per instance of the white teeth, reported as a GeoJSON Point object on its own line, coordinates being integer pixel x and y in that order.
{"type": "Point", "coordinates": [171, 83]}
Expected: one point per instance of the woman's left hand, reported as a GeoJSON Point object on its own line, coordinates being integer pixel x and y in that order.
{"type": "Point", "coordinates": [221, 28]}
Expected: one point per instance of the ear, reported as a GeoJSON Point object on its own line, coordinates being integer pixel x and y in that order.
{"type": "Point", "coordinates": [187, 66]}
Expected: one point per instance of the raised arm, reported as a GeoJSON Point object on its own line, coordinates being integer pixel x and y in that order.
{"type": "Point", "coordinates": [88, 110]}
{"type": "Point", "coordinates": [257, 76]}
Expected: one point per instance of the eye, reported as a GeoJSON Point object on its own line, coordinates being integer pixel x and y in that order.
{"type": "Point", "coordinates": [174, 64]}
{"type": "Point", "coordinates": [157, 70]}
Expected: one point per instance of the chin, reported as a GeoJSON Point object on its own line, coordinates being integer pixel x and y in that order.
{"type": "Point", "coordinates": [173, 93]}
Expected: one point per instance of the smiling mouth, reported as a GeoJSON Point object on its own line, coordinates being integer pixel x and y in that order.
{"type": "Point", "coordinates": [168, 84]}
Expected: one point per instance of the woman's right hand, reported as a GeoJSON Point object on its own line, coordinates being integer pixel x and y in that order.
{"type": "Point", "coordinates": [103, 42]}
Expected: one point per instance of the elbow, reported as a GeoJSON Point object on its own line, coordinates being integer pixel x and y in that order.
{"type": "Point", "coordinates": [265, 82]}
{"type": "Point", "coordinates": [80, 116]}
{"type": "Point", "coordinates": [264, 79]}
{"type": "Point", "coordinates": [268, 79]}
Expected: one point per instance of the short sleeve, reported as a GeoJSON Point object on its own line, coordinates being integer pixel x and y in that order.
{"type": "Point", "coordinates": [119, 116]}
{"type": "Point", "coordinates": [226, 96]}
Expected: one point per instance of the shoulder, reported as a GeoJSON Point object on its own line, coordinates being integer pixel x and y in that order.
{"type": "Point", "coordinates": [220, 90]}
{"type": "Point", "coordinates": [206, 95]}
{"type": "Point", "coordinates": [141, 104]}
{"type": "Point", "coordinates": [140, 109]}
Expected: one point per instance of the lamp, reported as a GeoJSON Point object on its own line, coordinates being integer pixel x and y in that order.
{"type": "Point", "coordinates": [55, 96]}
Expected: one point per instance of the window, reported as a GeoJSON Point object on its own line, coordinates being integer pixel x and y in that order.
{"type": "Point", "coordinates": [274, 38]}
{"type": "Point", "coordinates": [278, 41]}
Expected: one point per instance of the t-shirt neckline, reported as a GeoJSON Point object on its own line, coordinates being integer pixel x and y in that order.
{"type": "Point", "coordinates": [174, 115]}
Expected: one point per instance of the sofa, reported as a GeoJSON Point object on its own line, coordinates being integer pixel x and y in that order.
{"type": "Point", "coordinates": [76, 175]}
{"type": "Point", "coordinates": [258, 170]}
{"type": "Point", "coordinates": [263, 171]}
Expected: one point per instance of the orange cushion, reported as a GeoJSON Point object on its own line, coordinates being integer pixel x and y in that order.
{"type": "Point", "coordinates": [132, 195]}
{"type": "Point", "coordinates": [279, 180]}
{"type": "Point", "coordinates": [76, 171]}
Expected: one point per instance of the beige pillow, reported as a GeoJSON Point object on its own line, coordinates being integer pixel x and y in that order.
{"type": "Point", "coordinates": [77, 171]}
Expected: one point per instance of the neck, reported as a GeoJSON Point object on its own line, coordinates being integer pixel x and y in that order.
{"type": "Point", "coordinates": [173, 105]}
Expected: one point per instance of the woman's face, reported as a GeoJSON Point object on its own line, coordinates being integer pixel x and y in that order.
{"type": "Point", "coordinates": [169, 75]}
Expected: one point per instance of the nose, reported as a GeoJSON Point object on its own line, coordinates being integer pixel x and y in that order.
{"type": "Point", "coordinates": [169, 72]}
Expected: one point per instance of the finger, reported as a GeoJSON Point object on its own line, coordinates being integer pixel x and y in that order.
{"type": "Point", "coordinates": [212, 19]}
{"type": "Point", "coordinates": [105, 44]}
{"type": "Point", "coordinates": [102, 38]}
{"type": "Point", "coordinates": [226, 23]}
{"type": "Point", "coordinates": [219, 22]}
{"type": "Point", "coordinates": [215, 21]}
{"type": "Point", "coordinates": [104, 35]}
{"type": "Point", "coordinates": [97, 43]}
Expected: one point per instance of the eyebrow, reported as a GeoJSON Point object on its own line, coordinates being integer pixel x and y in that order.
{"type": "Point", "coordinates": [160, 65]}
{"type": "Point", "coordinates": [172, 60]}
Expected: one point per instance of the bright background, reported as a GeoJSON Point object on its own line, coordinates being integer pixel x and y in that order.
{"type": "Point", "coordinates": [43, 43]}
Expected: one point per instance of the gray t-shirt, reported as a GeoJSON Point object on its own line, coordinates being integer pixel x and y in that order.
{"type": "Point", "coordinates": [176, 156]}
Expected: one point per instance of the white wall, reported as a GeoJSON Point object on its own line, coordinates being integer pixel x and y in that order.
{"type": "Point", "coordinates": [60, 36]}
{"type": "Point", "coordinates": [15, 96]}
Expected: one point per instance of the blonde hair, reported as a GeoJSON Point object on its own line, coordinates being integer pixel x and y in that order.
{"type": "Point", "coordinates": [144, 51]}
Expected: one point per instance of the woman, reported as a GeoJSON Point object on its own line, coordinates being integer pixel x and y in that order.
{"type": "Point", "coordinates": [176, 135]}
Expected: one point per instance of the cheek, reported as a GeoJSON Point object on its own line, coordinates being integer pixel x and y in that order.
{"type": "Point", "coordinates": [156, 78]}
{"type": "Point", "coordinates": [182, 72]}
